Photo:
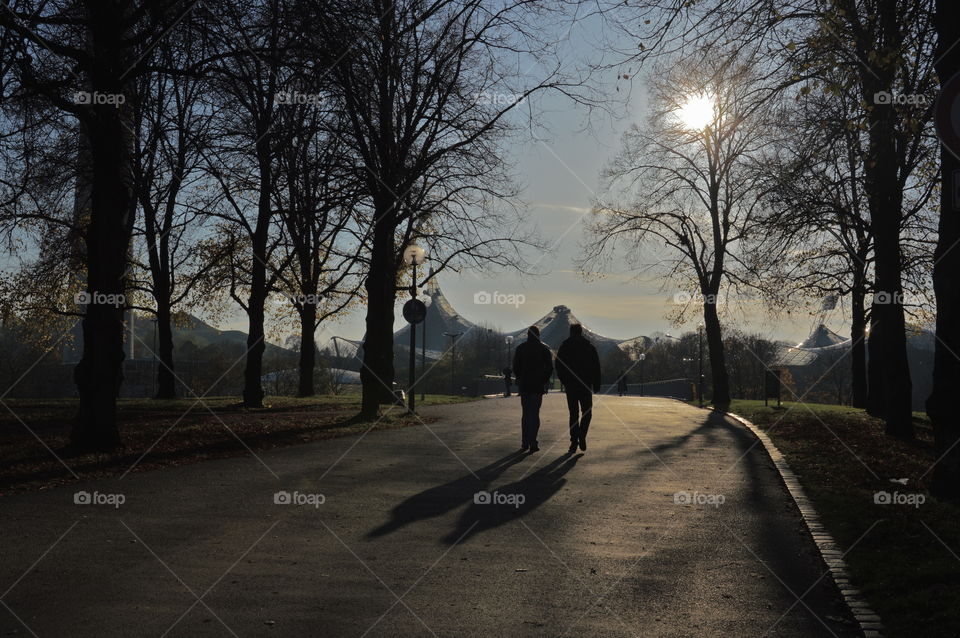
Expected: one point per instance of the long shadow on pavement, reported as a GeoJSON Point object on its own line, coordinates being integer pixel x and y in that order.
{"type": "Point", "coordinates": [536, 489]}
{"type": "Point", "coordinates": [441, 499]}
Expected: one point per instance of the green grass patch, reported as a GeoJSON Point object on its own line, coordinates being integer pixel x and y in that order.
{"type": "Point", "coordinates": [162, 433]}
{"type": "Point", "coordinates": [903, 558]}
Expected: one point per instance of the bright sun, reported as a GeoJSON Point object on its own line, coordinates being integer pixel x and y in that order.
{"type": "Point", "coordinates": [697, 112]}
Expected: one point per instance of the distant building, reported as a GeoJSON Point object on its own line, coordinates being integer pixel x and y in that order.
{"type": "Point", "coordinates": [443, 318]}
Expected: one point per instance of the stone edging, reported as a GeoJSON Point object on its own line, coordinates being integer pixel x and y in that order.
{"type": "Point", "coordinates": [869, 622]}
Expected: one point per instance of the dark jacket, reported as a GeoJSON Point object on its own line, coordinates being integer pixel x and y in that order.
{"type": "Point", "coordinates": [578, 365]}
{"type": "Point", "coordinates": [532, 366]}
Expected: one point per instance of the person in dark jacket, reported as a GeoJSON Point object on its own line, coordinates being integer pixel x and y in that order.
{"type": "Point", "coordinates": [578, 366]}
{"type": "Point", "coordinates": [532, 368]}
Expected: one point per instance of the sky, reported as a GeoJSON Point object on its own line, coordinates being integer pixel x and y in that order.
{"type": "Point", "coordinates": [559, 168]}
{"type": "Point", "coordinates": [560, 174]}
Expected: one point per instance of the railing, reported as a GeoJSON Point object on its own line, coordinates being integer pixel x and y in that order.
{"type": "Point", "coordinates": [674, 388]}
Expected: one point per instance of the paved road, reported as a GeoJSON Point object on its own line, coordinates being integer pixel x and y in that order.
{"type": "Point", "coordinates": [399, 547]}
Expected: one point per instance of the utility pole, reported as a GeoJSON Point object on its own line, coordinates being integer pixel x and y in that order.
{"type": "Point", "coordinates": [423, 360]}
{"type": "Point", "coordinates": [700, 378]}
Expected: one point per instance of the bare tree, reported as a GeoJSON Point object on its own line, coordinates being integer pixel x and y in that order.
{"type": "Point", "coordinates": [168, 175]}
{"type": "Point", "coordinates": [83, 58]}
{"type": "Point", "coordinates": [692, 184]}
{"type": "Point", "coordinates": [318, 192]}
{"type": "Point", "coordinates": [884, 46]}
{"type": "Point", "coordinates": [426, 87]}
{"type": "Point", "coordinates": [250, 71]}
{"type": "Point", "coordinates": [818, 240]}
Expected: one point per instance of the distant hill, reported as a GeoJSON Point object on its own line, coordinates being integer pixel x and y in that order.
{"type": "Point", "coordinates": [188, 331]}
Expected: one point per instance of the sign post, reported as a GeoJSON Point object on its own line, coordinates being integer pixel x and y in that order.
{"type": "Point", "coordinates": [414, 311]}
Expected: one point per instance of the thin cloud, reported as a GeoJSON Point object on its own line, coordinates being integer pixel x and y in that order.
{"type": "Point", "coordinates": [579, 210]}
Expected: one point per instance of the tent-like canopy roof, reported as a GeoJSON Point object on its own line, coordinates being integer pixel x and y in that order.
{"type": "Point", "coordinates": [554, 326]}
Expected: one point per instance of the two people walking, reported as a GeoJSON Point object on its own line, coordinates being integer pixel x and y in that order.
{"type": "Point", "coordinates": [577, 367]}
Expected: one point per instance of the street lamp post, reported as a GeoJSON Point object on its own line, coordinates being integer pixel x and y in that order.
{"type": "Point", "coordinates": [413, 256]}
{"type": "Point", "coordinates": [643, 357]}
{"type": "Point", "coordinates": [700, 378]}
{"type": "Point", "coordinates": [509, 341]}
{"type": "Point", "coordinates": [155, 371]}
{"type": "Point", "coordinates": [453, 362]}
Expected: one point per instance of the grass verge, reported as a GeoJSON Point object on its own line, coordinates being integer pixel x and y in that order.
{"type": "Point", "coordinates": [33, 433]}
{"type": "Point", "coordinates": [905, 558]}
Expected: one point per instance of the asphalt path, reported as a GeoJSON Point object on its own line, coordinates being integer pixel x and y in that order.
{"type": "Point", "coordinates": [674, 522]}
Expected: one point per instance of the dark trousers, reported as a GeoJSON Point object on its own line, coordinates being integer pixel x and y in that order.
{"type": "Point", "coordinates": [580, 404]}
{"type": "Point", "coordinates": [530, 421]}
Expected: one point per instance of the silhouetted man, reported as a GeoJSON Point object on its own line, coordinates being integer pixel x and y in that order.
{"type": "Point", "coordinates": [507, 380]}
{"type": "Point", "coordinates": [578, 366]}
{"type": "Point", "coordinates": [532, 367]}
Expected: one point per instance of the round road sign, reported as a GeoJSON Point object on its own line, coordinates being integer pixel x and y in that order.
{"type": "Point", "coordinates": [414, 311]}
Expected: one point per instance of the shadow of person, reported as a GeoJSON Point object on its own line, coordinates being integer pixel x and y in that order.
{"type": "Point", "coordinates": [513, 500]}
{"type": "Point", "coordinates": [441, 499]}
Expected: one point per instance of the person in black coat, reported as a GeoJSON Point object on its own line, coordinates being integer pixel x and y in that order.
{"type": "Point", "coordinates": [532, 368]}
{"type": "Point", "coordinates": [578, 366]}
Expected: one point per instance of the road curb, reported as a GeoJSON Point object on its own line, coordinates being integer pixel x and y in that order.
{"type": "Point", "coordinates": [830, 552]}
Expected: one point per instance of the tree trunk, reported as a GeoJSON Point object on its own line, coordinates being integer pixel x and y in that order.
{"type": "Point", "coordinates": [718, 366]}
{"type": "Point", "coordinates": [253, 371]}
{"type": "Point", "coordinates": [946, 284]}
{"type": "Point", "coordinates": [376, 373]}
{"type": "Point", "coordinates": [99, 373]}
{"type": "Point", "coordinates": [166, 380]}
{"type": "Point", "coordinates": [858, 348]}
{"type": "Point", "coordinates": [308, 349]}
{"type": "Point", "coordinates": [890, 388]}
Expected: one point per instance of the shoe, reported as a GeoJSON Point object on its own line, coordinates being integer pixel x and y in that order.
{"type": "Point", "coordinates": [534, 448]}
{"type": "Point", "coordinates": [573, 447]}
{"type": "Point", "coordinates": [525, 446]}
{"type": "Point", "coordinates": [583, 444]}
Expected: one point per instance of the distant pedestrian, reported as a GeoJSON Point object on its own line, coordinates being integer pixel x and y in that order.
{"type": "Point", "coordinates": [533, 366]}
{"type": "Point", "coordinates": [622, 383]}
{"type": "Point", "coordinates": [578, 366]}
{"type": "Point", "coordinates": [507, 380]}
